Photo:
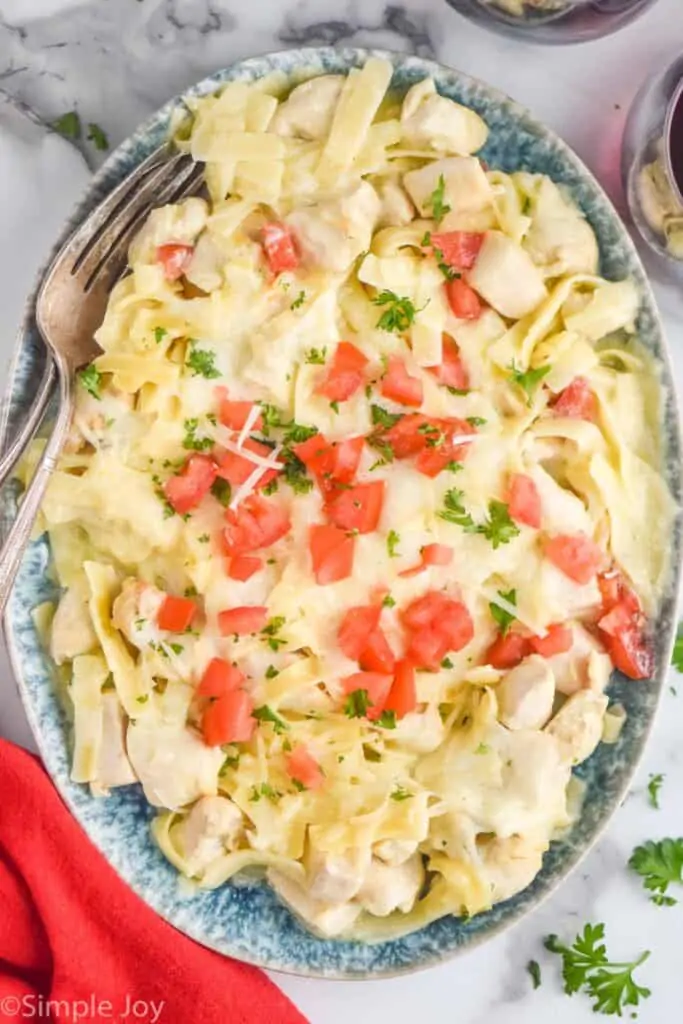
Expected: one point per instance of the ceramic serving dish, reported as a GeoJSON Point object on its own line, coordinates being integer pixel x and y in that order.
{"type": "Point", "coordinates": [247, 921]}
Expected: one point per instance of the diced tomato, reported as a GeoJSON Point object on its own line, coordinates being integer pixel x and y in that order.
{"type": "Point", "coordinates": [437, 554]}
{"type": "Point", "coordinates": [451, 370]}
{"type": "Point", "coordinates": [404, 437]}
{"type": "Point", "coordinates": [315, 453]}
{"type": "Point", "coordinates": [243, 620]}
{"type": "Point", "coordinates": [332, 552]}
{"type": "Point", "coordinates": [524, 501]}
{"type": "Point", "coordinates": [220, 677]}
{"type": "Point", "coordinates": [575, 555]}
{"type": "Point", "coordinates": [234, 415]}
{"type": "Point", "coordinates": [449, 447]}
{"type": "Point", "coordinates": [615, 590]}
{"type": "Point", "coordinates": [558, 640]}
{"type": "Point", "coordinates": [377, 685]}
{"type": "Point", "coordinates": [630, 651]}
{"type": "Point", "coordinates": [345, 374]}
{"type": "Point", "coordinates": [458, 248]}
{"type": "Point", "coordinates": [331, 464]}
{"type": "Point", "coordinates": [237, 469]}
{"type": "Point", "coordinates": [402, 698]}
{"type": "Point", "coordinates": [228, 719]}
{"type": "Point", "coordinates": [355, 629]}
{"type": "Point", "coordinates": [616, 619]}
{"type": "Point", "coordinates": [507, 651]}
{"type": "Point", "coordinates": [175, 258]}
{"type": "Point", "coordinates": [279, 247]}
{"type": "Point", "coordinates": [377, 655]}
{"type": "Point", "coordinates": [186, 489]}
{"type": "Point", "coordinates": [244, 567]}
{"type": "Point", "coordinates": [398, 385]}
{"type": "Point", "coordinates": [176, 614]}
{"type": "Point", "coordinates": [463, 300]}
{"type": "Point", "coordinates": [455, 623]}
{"type": "Point", "coordinates": [421, 612]}
{"type": "Point", "coordinates": [436, 624]}
{"type": "Point", "coordinates": [428, 648]}
{"type": "Point", "coordinates": [304, 769]}
{"type": "Point", "coordinates": [357, 508]}
{"type": "Point", "coordinates": [256, 523]}
{"type": "Point", "coordinates": [577, 401]}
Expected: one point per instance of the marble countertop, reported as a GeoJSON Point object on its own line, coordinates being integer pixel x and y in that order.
{"type": "Point", "coordinates": [116, 61]}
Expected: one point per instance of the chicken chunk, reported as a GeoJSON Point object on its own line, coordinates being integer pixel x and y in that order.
{"type": "Point", "coordinates": [308, 111]}
{"type": "Point", "coordinates": [113, 766]}
{"type": "Point", "coordinates": [466, 187]}
{"type": "Point", "coordinates": [510, 864]}
{"type": "Point", "coordinates": [420, 731]}
{"type": "Point", "coordinates": [180, 222]}
{"type": "Point", "coordinates": [325, 919]}
{"type": "Point", "coordinates": [214, 825]}
{"type": "Point", "coordinates": [584, 665]}
{"type": "Point", "coordinates": [526, 694]}
{"type": "Point", "coordinates": [559, 238]}
{"type": "Point", "coordinates": [336, 878]}
{"type": "Point", "coordinates": [135, 612]}
{"type": "Point", "coordinates": [394, 852]}
{"type": "Point", "coordinates": [332, 233]}
{"type": "Point", "coordinates": [507, 277]}
{"type": "Point", "coordinates": [577, 726]}
{"type": "Point", "coordinates": [94, 417]}
{"type": "Point", "coordinates": [72, 629]}
{"type": "Point", "coordinates": [430, 120]}
{"type": "Point", "coordinates": [172, 763]}
{"type": "Point", "coordinates": [387, 888]}
{"type": "Point", "coordinates": [396, 209]}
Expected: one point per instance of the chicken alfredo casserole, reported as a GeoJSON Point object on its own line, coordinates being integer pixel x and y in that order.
{"type": "Point", "coordinates": [361, 506]}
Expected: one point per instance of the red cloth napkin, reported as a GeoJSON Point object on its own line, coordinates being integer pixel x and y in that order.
{"type": "Point", "coordinates": [71, 931]}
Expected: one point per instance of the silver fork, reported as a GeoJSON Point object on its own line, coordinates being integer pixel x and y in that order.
{"type": "Point", "coordinates": [71, 305]}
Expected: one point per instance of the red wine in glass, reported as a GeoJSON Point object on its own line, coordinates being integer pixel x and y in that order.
{"type": "Point", "coordinates": [676, 141]}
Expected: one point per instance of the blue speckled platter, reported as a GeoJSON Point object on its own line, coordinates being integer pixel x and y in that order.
{"type": "Point", "coordinates": [248, 922]}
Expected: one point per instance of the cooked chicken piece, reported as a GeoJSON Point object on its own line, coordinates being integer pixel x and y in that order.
{"type": "Point", "coordinates": [325, 919]}
{"type": "Point", "coordinates": [577, 726]}
{"type": "Point", "coordinates": [135, 612]}
{"type": "Point", "coordinates": [526, 694]}
{"type": "Point", "coordinates": [332, 233]}
{"type": "Point", "coordinates": [584, 665]}
{"type": "Point", "coordinates": [506, 276]}
{"type": "Point", "coordinates": [396, 209]}
{"type": "Point", "coordinates": [214, 825]}
{"type": "Point", "coordinates": [93, 417]}
{"type": "Point", "coordinates": [563, 511]}
{"type": "Point", "coordinates": [113, 767]}
{"type": "Point", "coordinates": [420, 731]}
{"type": "Point", "coordinates": [428, 119]}
{"type": "Point", "coordinates": [391, 888]}
{"type": "Point", "coordinates": [394, 852]}
{"type": "Point", "coordinates": [559, 238]}
{"type": "Point", "coordinates": [336, 878]}
{"type": "Point", "coordinates": [173, 764]}
{"type": "Point", "coordinates": [181, 222]}
{"type": "Point", "coordinates": [466, 188]}
{"type": "Point", "coordinates": [72, 629]}
{"type": "Point", "coordinates": [308, 110]}
{"type": "Point", "coordinates": [510, 864]}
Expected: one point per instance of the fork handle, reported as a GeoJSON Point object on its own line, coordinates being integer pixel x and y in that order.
{"type": "Point", "coordinates": [18, 537]}
{"type": "Point", "coordinates": [19, 444]}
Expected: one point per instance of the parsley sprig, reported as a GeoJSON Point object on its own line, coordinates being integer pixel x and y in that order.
{"type": "Point", "coordinates": [399, 314]}
{"type": "Point", "coordinates": [357, 704]}
{"type": "Point", "coordinates": [436, 202]}
{"type": "Point", "coordinates": [586, 966]}
{"type": "Point", "coordinates": [659, 864]}
{"type": "Point", "coordinates": [498, 527]}
{"type": "Point", "coordinates": [528, 380]}
{"type": "Point", "coordinates": [91, 379]}
{"type": "Point", "coordinates": [653, 788]}
{"type": "Point", "coordinates": [500, 616]}
{"type": "Point", "coordinates": [193, 443]}
{"type": "Point", "coordinates": [202, 362]}
{"type": "Point", "coordinates": [266, 714]}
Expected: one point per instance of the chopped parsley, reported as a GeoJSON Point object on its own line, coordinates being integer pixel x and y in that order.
{"type": "Point", "coordinates": [295, 433]}
{"type": "Point", "coordinates": [446, 663]}
{"type": "Point", "coordinates": [191, 441]}
{"type": "Point", "coordinates": [383, 418]}
{"type": "Point", "coordinates": [401, 793]}
{"type": "Point", "coordinates": [294, 473]}
{"type": "Point", "coordinates": [266, 714]}
{"type": "Point", "coordinates": [357, 704]}
{"type": "Point", "coordinates": [222, 491]}
{"type": "Point", "coordinates": [534, 971]}
{"type": "Point", "coordinates": [271, 487]}
{"type": "Point", "coordinates": [203, 538]}
{"type": "Point", "coordinates": [231, 761]}
{"type": "Point", "coordinates": [159, 334]}
{"type": "Point", "coordinates": [653, 788]}
{"type": "Point", "coordinates": [201, 362]}
{"type": "Point", "coordinates": [476, 421]}
{"type": "Point", "coordinates": [334, 406]}
{"type": "Point", "coordinates": [143, 699]}
{"type": "Point", "coordinates": [270, 631]}
{"type": "Point", "coordinates": [499, 528]}
{"type": "Point", "coordinates": [393, 540]}
{"type": "Point", "coordinates": [91, 379]}
{"type": "Point", "coordinates": [500, 616]}
{"type": "Point", "coordinates": [659, 864]}
{"type": "Point", "coordinates": [316, 356]}
{"type": "Point", "coordinates": [98, 137]}
{"type": "Point", "coordinates": [271, 672]}
{"type": "Point", "coordinates": [528, 380]}
{"type": "Point", "coordinates": [387, 720]}
{"type": "Point", "coordinates": [190, 591]}
{"type": "Point", "coordinates": [266, 790]}
{"type": "Point", "coordinates": [455, 512]}
{"type": "Point", "coordinates": [483, 748]}
{"type": "Point", "coordinates": [68, 125]}
{"type": "Point", "coordinates": [388, 601]}
{"type": "Point", "coordinates": [271, 416]}
{"type": "Point", "coordinates": [436, 202]}
{"type": "Point", "coordinates": [677, 655]}
{"type": "Point", "coordinates": [399, 314]}
{"type": "Point", "coordinates": [298, 301]}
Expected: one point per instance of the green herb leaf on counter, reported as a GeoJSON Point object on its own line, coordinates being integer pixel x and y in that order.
{"type": "Point", "coordinates": [653, 788]}
{"type": "Point", "coordinates": [677, 656]}
{"type": "Point", "coordinates": [357, 704]}
{"type": "Point", "coordinates": [436, 201]}
{"type": "Point", "coordinates": [585, 966]}
{"type": "Point", "coordinates": [400, 793]}
{"type": "Point", "coordinates": [393, 541]}
{"type": "Point", "coordinates": [316, 356]}
{"type": "Point", "coordinates": [399, 314]}
{"type": "Point", "coordinates": [266, 714]}
{"type": "Point", "coordinates": [201, 362]}
{"type": "Point", "coordinates": [528, 380]}
{"type": "Point", "coordinates": [91, 379]}
{"type": "Point", "coordinates": [98, 137]}
{"type": "Point", "coordinates": [193, 443]}
{"type": "Point", "coordinates": [68, 125]}
{"type": "Point", "coordinates": [659, 864]}
{"type": "Point", "coordinates": [500, 616]}
{"type": "Point", "coordinates": [534, 970]}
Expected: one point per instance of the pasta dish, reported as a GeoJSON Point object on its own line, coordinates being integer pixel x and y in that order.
{"type": "Point", "coordinates": [360, 508]}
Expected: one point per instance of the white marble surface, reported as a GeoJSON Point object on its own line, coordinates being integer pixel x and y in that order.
{"type": "Point", "coordinates": [117, 60]}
